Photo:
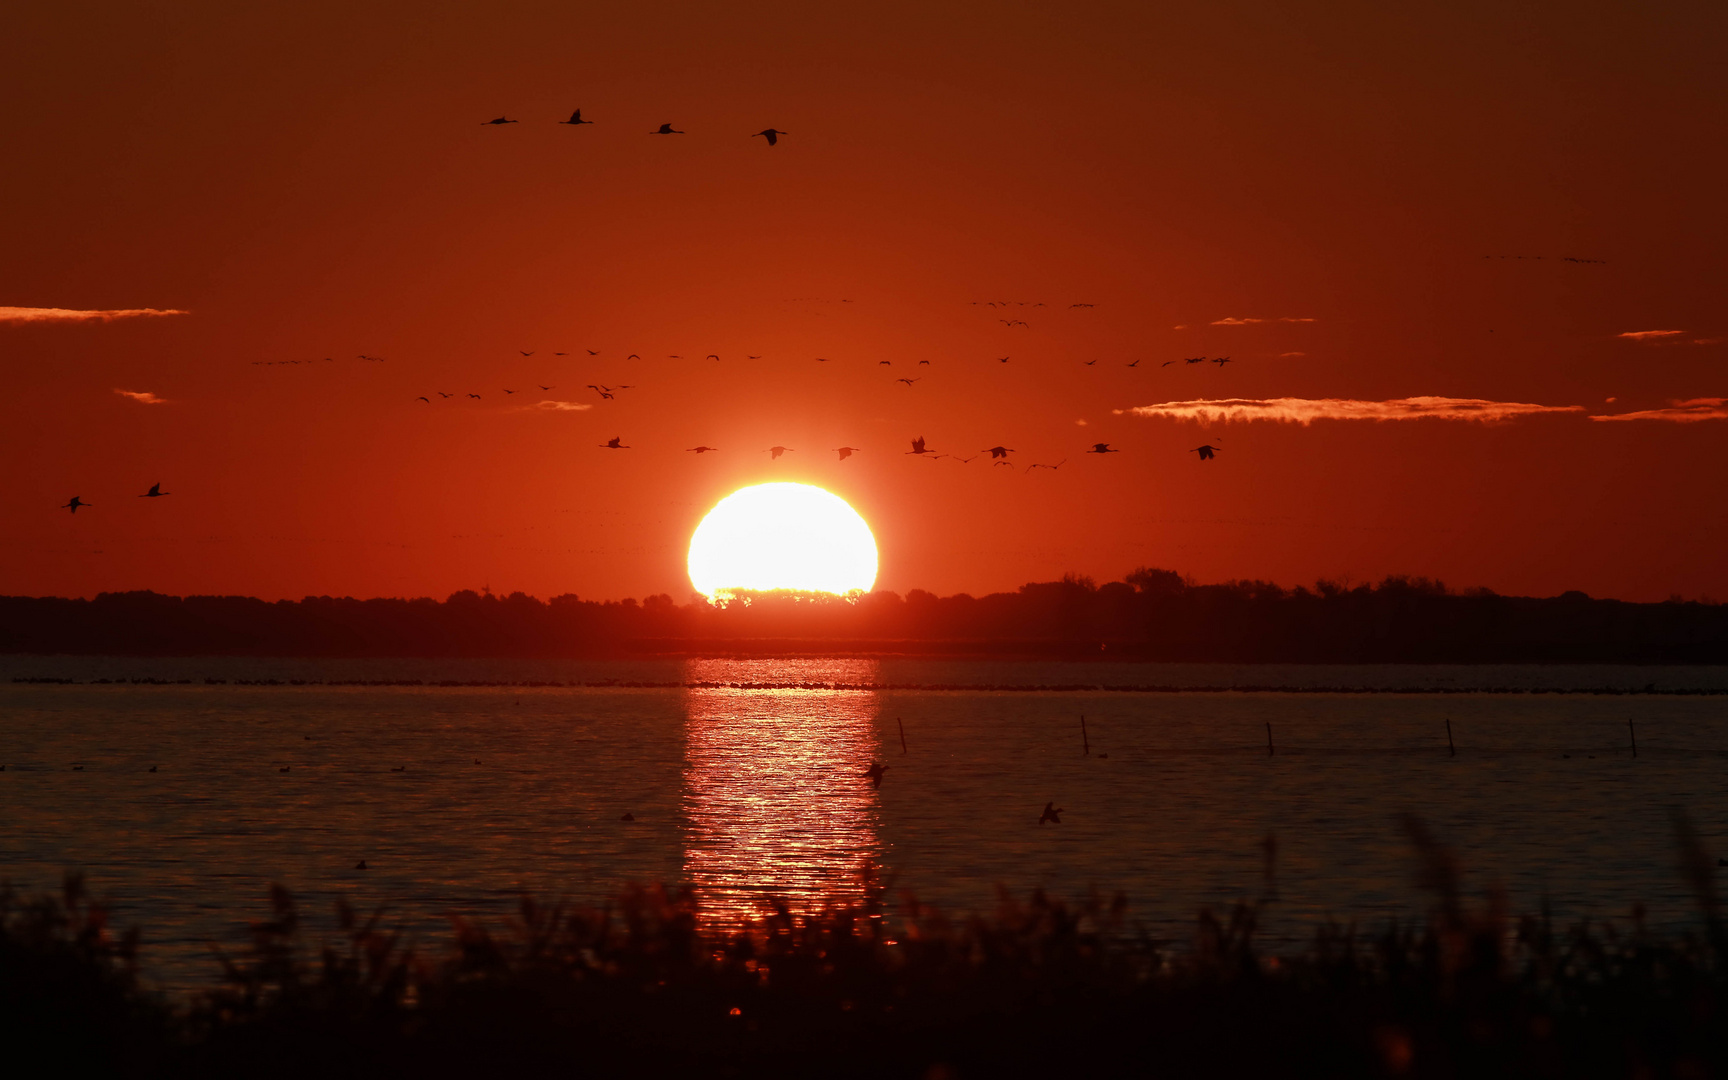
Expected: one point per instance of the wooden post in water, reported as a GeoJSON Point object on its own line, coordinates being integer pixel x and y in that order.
{"type": "Point", "coordinates": [1634, 733]}
{"type": "Point", "coordinates": [902, 727]}
{"type": "Point", "coordinates": [1453, 750]}
{"type": "Point", "coordinates": [1269, 750]}
{"type": "Point", "coordinates": [1085, 743]}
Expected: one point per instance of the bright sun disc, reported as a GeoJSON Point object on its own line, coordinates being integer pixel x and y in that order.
{"type": "Point", "coordinates": [782, 536]}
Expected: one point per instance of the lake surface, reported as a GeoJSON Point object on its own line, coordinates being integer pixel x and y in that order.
{"type": "Point", "coordinates": [745, 779]}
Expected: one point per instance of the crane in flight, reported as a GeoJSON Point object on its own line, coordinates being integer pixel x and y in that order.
{"type": "Point", "coordinates": [774, 452]}
{"type": "Point", "coordinates": [845, 451]}
{"type": "Point", "coordinates": [74, 504]}
{"type": "Point", "coordinates": [1102, 448]}
{"type": "Point", "coordinates": [772, 135]}
{"type": "Point", "coordinates": [700, 449]}
{"type": "Point", "coordinates": [918, 446]}
{"type": "Point", "coordinates": [1206, 452]}
{"type": "Point", "coordinates": [616, 442]}
{"type": "Point", "coordinates": [500, 120]}
{"type": "Point", "coordinates": [1052, 813]}
{"type": "Point", "coordinates": [999, 451]}
{"type": "Point", "coordinates": [576, 118]}
{"type": "Point", "coordinates": [665, 129]}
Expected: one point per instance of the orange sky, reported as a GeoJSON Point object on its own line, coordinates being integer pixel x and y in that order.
{"type": "Point", "coordinates": [313, 180]}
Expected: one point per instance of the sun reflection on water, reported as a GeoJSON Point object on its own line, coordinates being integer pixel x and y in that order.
{"type": "Point", "coordinates": [774, 791]}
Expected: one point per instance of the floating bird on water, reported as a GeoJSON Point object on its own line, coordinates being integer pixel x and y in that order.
{"type": "Point", "coordinates": [156, 491]}
{"type": "Point", "coordinates": [152, 768]}
{"type": "Point", "coordinates": [665, 129]}
{"type": "Point", "coordinates": [1102, 448]}
{"type": "Point", "coordinates": [771, 135]}
{"type": "Point", "coordinates": [999, 452]}
{"type": "Point", "coordinates": [500, 120]}
{"type": "Point", "coordinates": [845, 451]}
{"type": "Point", "coordinates": [616, 442]}
{"type": "Point", "coordinates": [361, 865]}
{"type": "Point", "coordinates": [1206, 452]}
{"type": "Point", "coordinates": [700, 449]}
{"type": "Point", "coordinates": [1052, 813]}
{"type": "Point", "coordinates": [918, 446]}
{"type": "Point", "coordinates": [874, 773]}
{"type": "Point", "coordinates": [774, 452]}
{"type": "Point", "coordinates": [628, 816]}
{"type": "Point", "coordinates": [74, 504]}
{"type": "Point", "coordinates": [576, 118]}
{"type": "Point", "coordinates": [283, 769]}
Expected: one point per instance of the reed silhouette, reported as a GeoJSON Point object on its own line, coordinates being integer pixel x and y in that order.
{"type": "Point", "coordinates": [1036, 988]}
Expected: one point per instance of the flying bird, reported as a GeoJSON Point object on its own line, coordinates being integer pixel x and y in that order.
{"type": "Point", "coordinates": [923, 361]}
{"type": "Point", "coordinates": [884, 363]}
{"type": "Point", "coordinates": [1194, 360]}
{"type": "Point", "coordinates": [509, 391]}
{"type": "Point", "coordinates": [1052, 468]}
{"type": "Point", "coordinates": [1135, 364]}
{"type": "Point", "coordinates": [596, 352]}
{"type": "Point", "coordinates": [665, 129]}
{"type": "Point", "coordinates": [476, 397]}
{"type": "Point", "coordinates": [424, 398]}
{"type": "Point", "coordinates": [525, 353]}
{"type": "Point", "coordinates": [771, 135]}
{"type": "Point", "coordinates": [1206, 452]}
{"type": "Point", "coordinates": [632, 356]}
{"type": "Point", "coordinates": [1102, 448]}
{"type": "Point", "coordinates": [711, 356]}
{"type": "Point", "coordinates": [774, 452]}
{"type": "Point", "coordinates": [1167, 363]}
{"type": "Point", "coordinates": [1052, 813]}
{"type": "Point", "coordinates": [1221, 360]}
{"type": "Point", "coordinates": [700, 449]}
{"type": "Point", "coordinates": [600, 391]}
{"type": "Point", "coordinates": [74, 504]}
{"type": "Point", "coordinates": [1003, 359]}
{"type": "Point", "coordinates": [999, 452]}
{"type": "Point", "coordinates": [616, 442]}
{"type": "Point", "coordinates": [909, 382]}
{"type": "Point", "coordinates": [500, 120]}
{"type": "Point", "coordinates": [845, 451]}
{"type": "Point", "coordinates": [546, 387]}
{"type": "Point", "coordinates": [918, 446]}
{"type": "Point", "coordinates": [874, 773]}
{"type": "Point", "coordinates": [576, 118]}
{"type": "Point", "coordinates": [821, 359]}
{"type": "Point", "coordinates": [1088, 363]}
{"type": "Point", "coordinates": [442, 394]}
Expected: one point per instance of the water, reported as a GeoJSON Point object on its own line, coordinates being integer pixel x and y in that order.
{"type": "Point", "coordinates": [747, 793]}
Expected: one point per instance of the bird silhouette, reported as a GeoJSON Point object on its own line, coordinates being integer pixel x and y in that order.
{"type": "Point", "coordinates": [1167, 363]}
{"type": "Point", "coordinates": [1135, 364]}
{"type": "Point", "coordinates": [909, 382]}
{"type": "Point", "coordinates": [1194, 360]}
{"type": "Point", "coordinates": [476, 397]}
{"type": "Point", "coordinates": [665, 129]}
{"type": "Point", "coordinates": [1220, 360]}
{"type": "Point", "coordinates": [1052, 813]}
{"type": "Point", "coordinates": [999, 452]}
{"type": "Point", "coordinates": [628, 816]}
{"type": "Point", "coordinates": [711, 356]}
{"type": "Point", "coordinates": [1089, 363]}
{"type": "Point", "coordinates": [1206, 452]}
{"type": "Point", "coordinates": [596, 352]}
{"type": "Point", "coordinates": [845, 451]}
{"type": "Point", "coordinates": [509, 391]}
{"type": "Point", "coordinates": [752, 358]}
{"type": "Point", "coordinates": [500, 120]}
{"type": "Point", "coordinates": [874, 773]}
{"type": "Point", "coordinates": [774, 452]}
{"type": "Point", "coordinates": [601, 391]}
{"type": "Point", "coordinates": [614, 443]}
{"type": "Point", "coordinates": [700, 449]}
{"type": "Point", "coordinates": [576, 118]}
{"type": "Point", "coordinates": [1102, 448]}
{"type": "Point", "coordinates": [1003, 359]}
{"type": "Point", "coordinates": [771, 135]}
{"type": "Point", "coordinates": [918, 446]}
{"type": "Point", "coordinates": [530, 353]}
{"type": "Point", "coordinates": [546, 387]}
{"type": "Point", "coordinates": [1052, 468]}
{"type": "Point", "coordinates": [923, 361]}
{"type": "Point", "coordinates": [361, 865]}
{"type": "Point", "coordinates": [424, 398]}
{"type": "Point", "coordinates": [632, 356]}
{"type": "Point", "coordinates": [884, 363]}
{"type": "Point", "coordinates": [442, 394]}
{"type": "Point", "coordinates": [74, 504]}
{"type": "Point", "coordinates": [156, 491]}
{"type": "Point", "coordinates": [821, 359]}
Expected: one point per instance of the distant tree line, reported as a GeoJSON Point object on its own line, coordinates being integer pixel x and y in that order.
{"type": "Point", "coordinates": [1151, 615]}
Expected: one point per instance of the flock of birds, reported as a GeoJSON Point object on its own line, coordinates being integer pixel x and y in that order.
{"type": "Point", "coordinates": [920, 448]}
{"type": "Point", "coordinates": [771, 134]}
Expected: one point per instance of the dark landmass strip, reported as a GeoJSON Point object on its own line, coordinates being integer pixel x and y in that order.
{"type": "Point", "coordinates": [1154, 615]}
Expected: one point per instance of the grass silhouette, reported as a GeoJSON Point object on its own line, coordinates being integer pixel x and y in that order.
{"type": "Point", "coordinates": [1036, 988]}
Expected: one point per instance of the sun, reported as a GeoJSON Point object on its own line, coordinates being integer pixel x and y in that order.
{"type": "Point", "coordinates": [782, 536]}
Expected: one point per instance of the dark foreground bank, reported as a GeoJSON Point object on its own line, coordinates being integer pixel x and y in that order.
{"type": "Point", "coordinates": [1037, 989]}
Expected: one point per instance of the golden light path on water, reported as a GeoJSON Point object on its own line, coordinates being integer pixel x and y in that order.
{"type": "Point", "coordinates": [774, 792]}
